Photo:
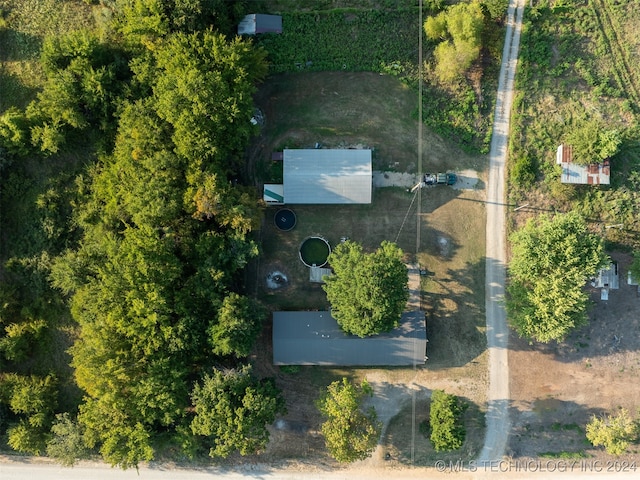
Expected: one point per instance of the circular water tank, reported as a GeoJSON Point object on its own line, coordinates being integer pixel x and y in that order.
{"type": "Point", "coordinates": [314, 251]}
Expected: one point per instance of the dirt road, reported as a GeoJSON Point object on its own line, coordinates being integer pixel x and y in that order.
{"type": "Point", "coordinates": [498, 423]}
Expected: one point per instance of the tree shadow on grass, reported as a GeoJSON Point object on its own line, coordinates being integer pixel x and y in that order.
{"type": "Point", "coordinates": [456, 321]}
{"type": "Point", "coordinates": [406, 439]}
{"type": "Point", "coordinates": [14, 92]}
{"type": "Point", "coordinates": [550, 428]}
{"type": "Point", "coordinates": [17, 46]}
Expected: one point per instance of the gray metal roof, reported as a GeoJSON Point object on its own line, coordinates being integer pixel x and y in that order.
{"type": "Point", "coordinates": [323, 176]}
{"type": "Point", "coordinates": [314, 338]}
{"type": "Point", "coordinates": [260, 23]}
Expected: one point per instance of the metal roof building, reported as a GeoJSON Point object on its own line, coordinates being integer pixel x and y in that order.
{"type": "Point", "coordinates": [593, 174]}
{"type": "Point", "coordinates": [260, 23]}
{"type": "Point", "coordinates": [325, 176]}
{"type": "Point", "coordinates": [314, 338]}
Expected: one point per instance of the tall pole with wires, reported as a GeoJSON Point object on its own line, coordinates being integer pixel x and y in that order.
{"type": "Point", "coordinates": [420, 71]}
{"type": "Point", "coordinates": [418, 211]}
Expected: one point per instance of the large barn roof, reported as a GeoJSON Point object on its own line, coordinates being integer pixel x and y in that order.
{"type": "Point", "coordinates": [314, 338]}
{"type": "Point", "coordinates": [323, 176]}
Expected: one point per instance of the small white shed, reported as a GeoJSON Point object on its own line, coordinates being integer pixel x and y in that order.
{"type": "Point", "coordinates": [255, 23]}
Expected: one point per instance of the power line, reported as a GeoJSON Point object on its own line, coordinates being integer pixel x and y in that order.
{"type": "Point", "coordinates": [418, 214]}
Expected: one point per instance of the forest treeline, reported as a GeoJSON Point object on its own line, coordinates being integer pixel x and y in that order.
{"type": "Point", "coordinates": [146, 244]}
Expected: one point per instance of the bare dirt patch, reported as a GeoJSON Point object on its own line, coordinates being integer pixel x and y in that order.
{"type": "Point", "coordinates": [556, 388]}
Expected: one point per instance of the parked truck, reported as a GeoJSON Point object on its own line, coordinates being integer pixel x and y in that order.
{"type": "Point", "coordinates": [448, 178]}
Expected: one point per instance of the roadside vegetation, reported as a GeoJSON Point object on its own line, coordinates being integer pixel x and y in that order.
{"type": "Point", "coordinates": [446, 421]}
{"type": "Point", "coordinates": [551, 258]}
{"type": "Point", "coordinates": [128, 216]}
{"type": "Point", "coordinates": [577, 82]}
{"type": "Point", "coordinates": [350, 431]}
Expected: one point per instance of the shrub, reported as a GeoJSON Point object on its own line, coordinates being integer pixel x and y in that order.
{"type": "Point", "coordinates": [614, 433]}
{"type": "Point", "coordinates": [523, 172]}
{"type": "Point", "coordinates": [446, 418]}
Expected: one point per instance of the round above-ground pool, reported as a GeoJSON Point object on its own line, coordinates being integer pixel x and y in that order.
{"type": "Point", "coordinates": [285, 219]}
{"type": "Point", "coordinates": [314, 251]}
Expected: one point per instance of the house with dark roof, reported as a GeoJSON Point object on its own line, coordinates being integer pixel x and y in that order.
{"type": "Point", "coordinates": [323, 176]}
{"type": "Point", "coordinates": [314, 338]}
{"type": "Point", "coordinates": [592, 174]}
{"type": "Point", "coordinates": [255, 23]}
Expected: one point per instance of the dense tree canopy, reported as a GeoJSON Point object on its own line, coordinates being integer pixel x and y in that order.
{"type": "Point", "coordinates": [551, 259]}
{"type": "Point", "coordinates": [232, 410]}
{"type": "Point", "coordinates": [164, 237]}
{"type": "Point", "coordinates": [459, 31]}
{"type": "Point", "coordinates": [367, 292]}
{"type": "Point", "coordinates": [204, 89]}
{"type": "Point", "coordinates": [349, 432]}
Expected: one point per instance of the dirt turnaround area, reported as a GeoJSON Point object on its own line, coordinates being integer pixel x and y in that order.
{"type": "Point", "coordinates": [557, 388]}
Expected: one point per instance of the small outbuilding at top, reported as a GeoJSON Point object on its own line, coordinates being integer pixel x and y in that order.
{"type": "Point", "coordinates": [255, 23]}
{"type": "Point", "coordinates": [592, 174]}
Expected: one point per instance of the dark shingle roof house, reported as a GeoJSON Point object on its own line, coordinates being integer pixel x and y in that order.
{"type": "Point", "coordinates": [314, 338]}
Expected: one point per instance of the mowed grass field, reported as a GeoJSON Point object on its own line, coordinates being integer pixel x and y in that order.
{"type": "Point", "coordinates": [305, 109]}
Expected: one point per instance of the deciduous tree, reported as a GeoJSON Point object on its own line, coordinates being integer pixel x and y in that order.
{"type": "Point", "coordinates": [459, 31]}
{"type": "Point", "coordinates": [349, 432]}
{"type": "Point", "coordinates": [551, 259]}
{"type": "Point", "coordinates": [67, 444]}
{"type": "Point", "coordinates": [204, 89]}
{"type": "Point", "coordinates": [238, 324]}
{"type": "Point", "coordinates": [613, 432]}
{"type": "Point", "coordinates": [233, 410]}
{"type": "Point", "coordinates": [367, 292]}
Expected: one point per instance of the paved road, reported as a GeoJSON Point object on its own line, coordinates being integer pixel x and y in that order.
{"type": "Point", "coordinates": [498, 424]}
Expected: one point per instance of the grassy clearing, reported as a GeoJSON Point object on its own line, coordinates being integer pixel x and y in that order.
{"type": "Point", "coordinates": [346, 109]}
{"type": "Point", "coordinates": [27, 23]}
